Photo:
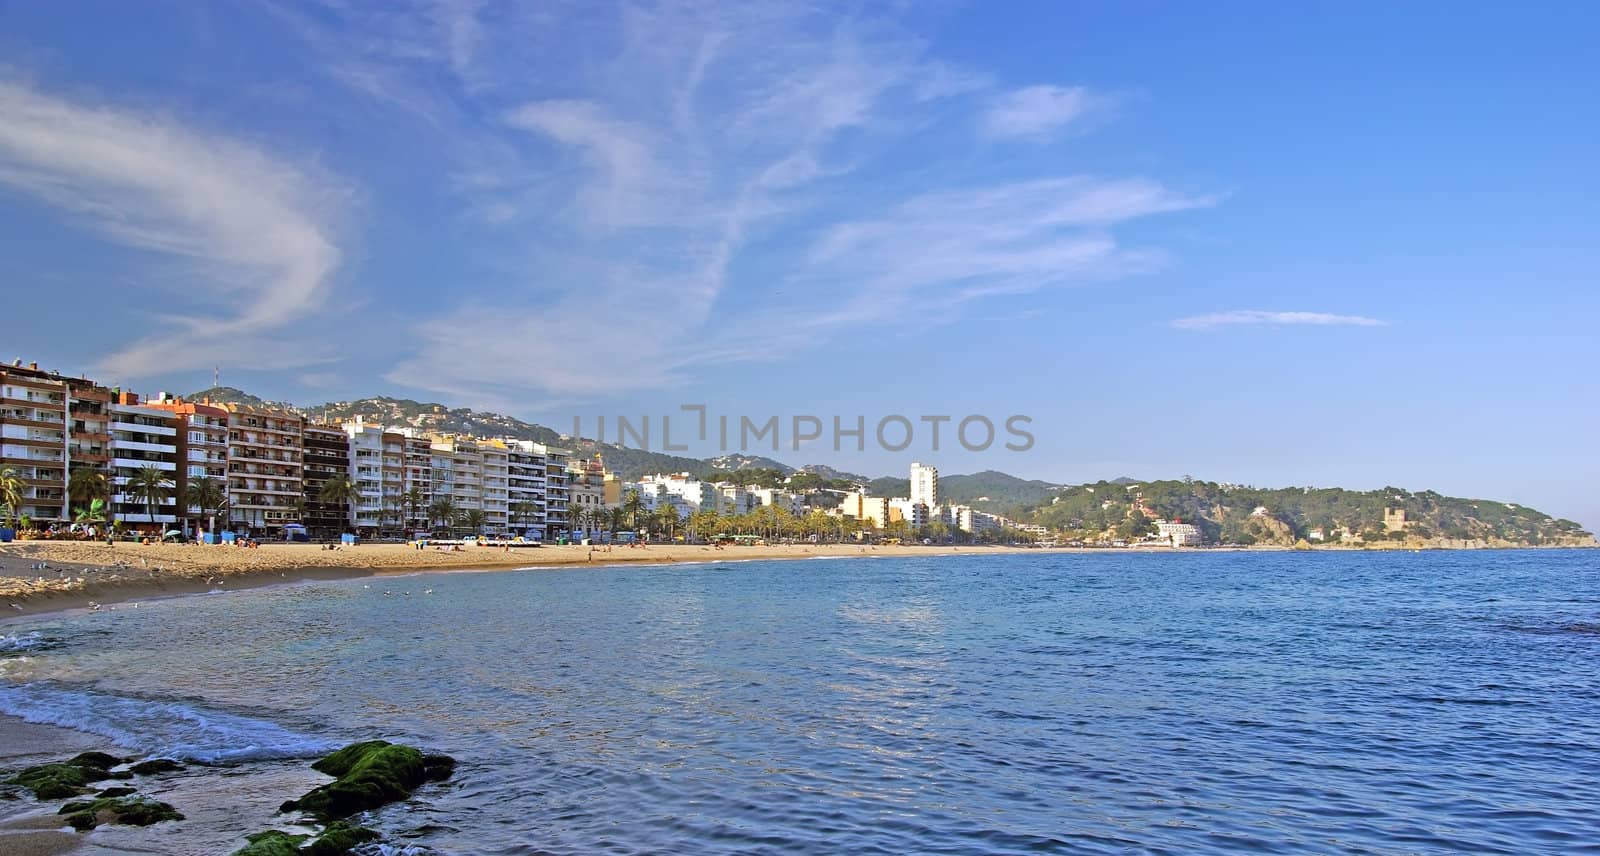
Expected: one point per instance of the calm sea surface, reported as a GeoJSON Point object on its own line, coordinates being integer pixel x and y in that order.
{"type": "Point", "coordinates": [1214, 702]}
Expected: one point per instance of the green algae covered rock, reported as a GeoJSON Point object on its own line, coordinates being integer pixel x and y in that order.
{"type": "Point", "coordinates": [117, 791]}
{"type": "Point", "coordinates": [155, 765]}
{"type": "Point", "coordinates": [67, 778]}
{"type": "Point", "coordinates": [131, 810]}
{"type": "Point", "coordinates": [273, 842]}
{"type": "Point", "coordinates": [368, 775]}
{"type": "Point", "coordinates": [337, 840]}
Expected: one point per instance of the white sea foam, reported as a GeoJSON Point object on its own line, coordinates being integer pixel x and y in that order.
{"type": "Point", "coordinates": [23, 642]}
{"type": "Point", "coordinates": [159, 728]}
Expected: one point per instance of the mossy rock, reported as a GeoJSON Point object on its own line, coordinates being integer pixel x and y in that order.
{"type": "Point", "coordinates": [368, 775]}
{"type": "Point", "coordinates": [116, 791]}
{"type": "Point", "coordinates": [155, 765]}
{"type": "Point", "coordinates": [67, 778]}
{"type": "Point", "coordinates": [338, 839]}
{"type": "Point", "coordinates": [84, 815]}
{"type": "Point", "coordinates": [273, 842]}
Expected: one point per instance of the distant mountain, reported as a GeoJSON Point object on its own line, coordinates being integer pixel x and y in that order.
{"type": "Point", "coordinates": [991, 490]}
{"type": "Point", "coordinates": [830, 473]}
{"type": "Point", "coordinates": [1235, 514]}
{"type": "Point", "coordinates": [232, 395]}
{"type": "Point", "coordinates": [747, 462]}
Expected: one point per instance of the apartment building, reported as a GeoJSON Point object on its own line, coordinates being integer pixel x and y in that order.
{"type": "Point", "coordinates": [201, 431]}
{"type": "Point", "coordinates": [526, 468]}
{"type": "Point", "coordinates": [736, 499]}
{"type": "Point", "coordinates": [376, 465]}
{"type": "Point", "coordinates": [586, 492]}
{"type": "Point", "coordinates": [416, 480]}
{"type": "Point", "coordinates": [914, 513]}
{"type": "Point", "coordinates": [265, 468]}
{"type": "Point", "coordinates": [925, 484]}
{"type": "Point", "coordinates": [143, 437]}
{"type": "Point", "coordinates": [683, 491]}
{"type": "Point", "coordinates": [786, 500]}
{"type": "Point", "coordinates": [868, 509]}
{"type": "Point", "coordinates": [496, 487]}
{"type": "Point", "coordinates": [326, 457]}
{"type": "Point", "coordinates": [457, 467]}
{"type": "Point", "coordinates": [49, 425]}
{"type": "Point", "coordinates": [557, 492]}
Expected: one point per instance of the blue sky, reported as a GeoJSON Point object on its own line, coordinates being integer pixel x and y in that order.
{"type": "Point", "coordinates": [1347, 244]}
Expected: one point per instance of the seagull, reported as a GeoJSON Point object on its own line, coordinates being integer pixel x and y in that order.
{"type": "Point", "coordinates": [94, 607]}
{"type": "Point", "coordinates": [16, 606]}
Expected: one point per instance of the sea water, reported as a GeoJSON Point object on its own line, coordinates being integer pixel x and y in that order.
{"type": "Point", "coordinates": [1099, 702]}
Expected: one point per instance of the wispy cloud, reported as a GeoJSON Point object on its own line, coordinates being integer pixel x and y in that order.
{"type": "Point", "coordinates": [951, 247]}
{"type": "Point", "coordinates": [697, 169]}
{"type": "Point", "coordinates": [1039, 112]}
{"type": "Point", "coordinates": [1257, 317]}
{"type": "Point", "coordinates": [257, 233]}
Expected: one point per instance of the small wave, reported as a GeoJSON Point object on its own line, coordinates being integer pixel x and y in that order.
{"type": "Point", "coordinates": [159, 728]}
{"type": "Point", "coordinates": [379, 848]}
{"type": "Point", "coordinates": [27, 643]}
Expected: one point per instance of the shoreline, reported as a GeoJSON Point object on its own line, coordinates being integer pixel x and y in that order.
{"type": "Point", "coordinates": [45, 577]}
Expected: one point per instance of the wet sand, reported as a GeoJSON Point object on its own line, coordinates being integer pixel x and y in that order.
{"type": "Point", "coordinates": [29, 828]}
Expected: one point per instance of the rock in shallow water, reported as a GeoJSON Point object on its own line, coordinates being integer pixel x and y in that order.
{"type": "Point", "coordinates": [368, 775]}
{"type": "Point", "coordinates": [155, 765]}
{"type": "Point", "coordinates": [67, 778]}
{"type": "Point", "coordinates": [338, 839]}
{"type": "Point", "coordinates": [132, 810]}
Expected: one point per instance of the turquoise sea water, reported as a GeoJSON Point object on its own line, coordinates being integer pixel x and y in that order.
{"type": "Point", "coordinates": [1209, 702]}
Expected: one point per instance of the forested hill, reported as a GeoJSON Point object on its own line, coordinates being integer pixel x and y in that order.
{"type": "Point", "coordinates": [1236, 514]}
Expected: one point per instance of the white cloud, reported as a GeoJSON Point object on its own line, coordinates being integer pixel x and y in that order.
{"type": "Point", "coordinates": [948, 248]}
{"type": "Point", "coordinates": [1257, 317]}
{"type": "Point", "coordinates": [257, 231]}
{"type": "Point", "coordinates": [668, 178]}
{"type": "Point", "coordinates": [1038, 112]}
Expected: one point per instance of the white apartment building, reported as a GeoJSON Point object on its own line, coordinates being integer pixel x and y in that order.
{"type": "Point", "coordinates": [789, 501]}
{"type": "Point", "coordinates": [734, 499]}
{"type": "Point", "coordinates": [1178, 534]}
{"type": "Point", "coordinates": [686, 493]}
{"type": "Point", "coordinates": [367, 471]}
{"type": "Point", "coordinates": [142, 437]}
{"type": "Point", "coordinates": [496, 487]}
{"type": "Point", "coordinates": [925, 484]}
{"type": "Point", "coordinates": [914, 513]}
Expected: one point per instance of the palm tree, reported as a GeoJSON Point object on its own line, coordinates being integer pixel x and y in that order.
{"type": "Point", "coordinates": [11, 488]}
{"type": "Point", "coordinates": [151, 486]}
{"type": "Point", "coordinates": [208, 494]}
{"type": "Point", "coordinates": [617, 516]}
{"type": "Point", "coordinates": [667, 518]}
{"type": "Point", "coordinates": [95, 512]}
{"type": "Point", "coordinates": [522, 511]}
{"type": "Point", "coordinates": [87, 484]}
{"type": "Point", "coordinates": [474, 518]}
{"type": "Point", "coordinates": [342, 491]}
{"type": "Point", "coordinates": [443, 510]}
{"type": "Point", "coordinates": [633, 508]}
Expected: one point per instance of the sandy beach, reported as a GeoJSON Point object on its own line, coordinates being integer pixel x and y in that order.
{"type": "Point", "coordinates": [46, 576]}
